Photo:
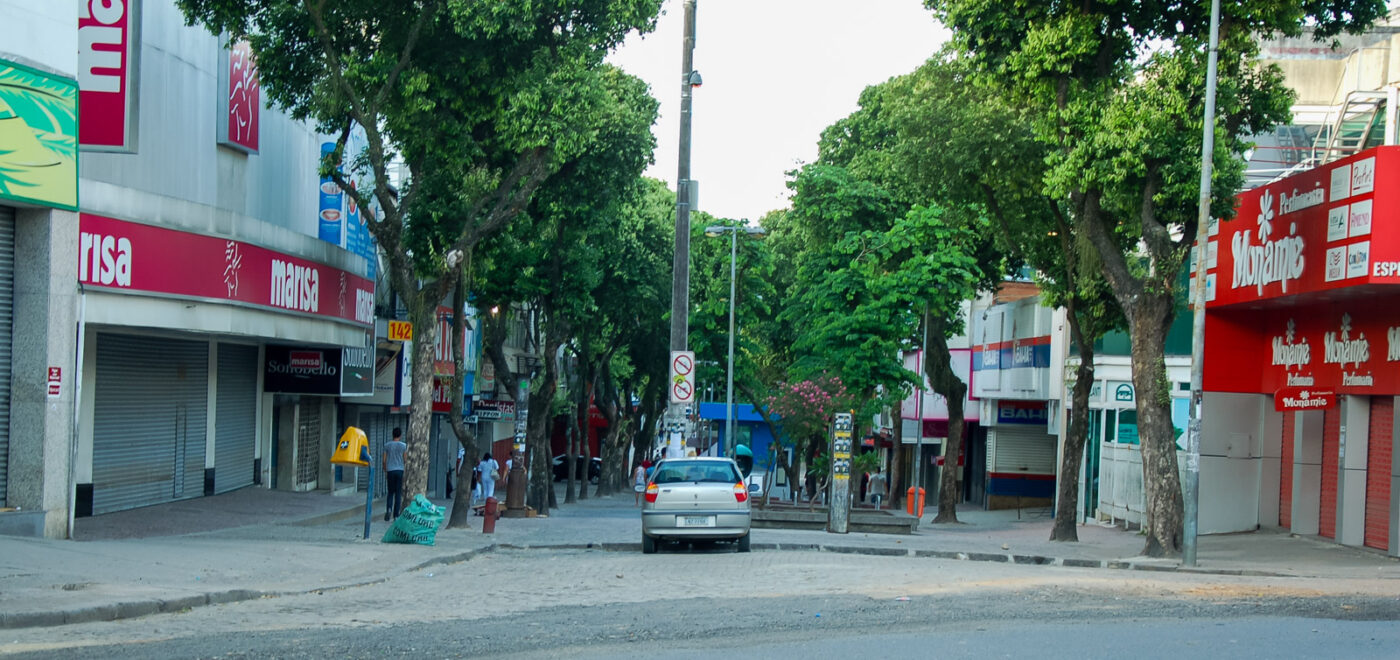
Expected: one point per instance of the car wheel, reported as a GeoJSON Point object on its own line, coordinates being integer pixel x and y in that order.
{"type": "Point", "coordinates": [743, 543]}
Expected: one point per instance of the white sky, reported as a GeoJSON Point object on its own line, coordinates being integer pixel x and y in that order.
{"type": "Point", "coordinates": [776, 72]}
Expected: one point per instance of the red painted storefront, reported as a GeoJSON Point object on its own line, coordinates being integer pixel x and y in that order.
{"type": "Point", "coordinates": [1304, 308]}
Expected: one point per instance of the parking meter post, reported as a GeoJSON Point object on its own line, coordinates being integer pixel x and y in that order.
{"type": "Point", "coordinates": [838, 511]}
{"type": "Point", "coordinates": [369, 492]}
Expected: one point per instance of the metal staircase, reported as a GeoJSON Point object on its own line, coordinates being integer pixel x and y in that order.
{"type": "Point", "coordinates": [1357, 124]}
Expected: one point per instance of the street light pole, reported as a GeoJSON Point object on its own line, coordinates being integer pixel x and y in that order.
{"type": "Point", "coordinates": [1191, 492]}
{"type": "Point", "coordinates": [729, 389]}
{"type": "Point", "coordinates": [733, 231]}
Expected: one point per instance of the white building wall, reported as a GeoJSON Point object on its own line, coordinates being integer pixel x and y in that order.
{"type": "Point", "coordinates": [43, 35]}
{"type": "Point", "coordinates": [1231, 462]}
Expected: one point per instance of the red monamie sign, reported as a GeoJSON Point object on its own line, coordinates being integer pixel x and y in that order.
{"type": "Point", "coordinates": [129, 256]}
{"type": "Point", "coordinates": [1317, 231]}
{"type": "Point", "coordinates": [1303, 398]}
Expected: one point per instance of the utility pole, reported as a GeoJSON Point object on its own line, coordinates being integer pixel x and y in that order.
{"type": "Point", "coordinates": [680, 271]}
{"type": "Point", "coordinates": [1192, 492]}
{"type": "Point", "coordinates": [838, 505]}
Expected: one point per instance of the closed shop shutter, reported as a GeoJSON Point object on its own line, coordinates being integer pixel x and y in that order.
{"type": "Point", "coordinates": [235, 424]}
{"type": "Point", "coordinates": [150, 412]}
{"type": "Point", "coordinates": [1023, 463]}
{"type": "Point", "coordinates": [1379, 455]}
{"type": "Point", "coordinates": [1023, 450]}
{"type": "Point", "coordinates": [7, 309]}
{"type": "Point", "coordinates": [309, 441]}
{"type": "Point", "coordinates": [1285, 475]}
{"type": "Point", "coordinates": [1331, 440]}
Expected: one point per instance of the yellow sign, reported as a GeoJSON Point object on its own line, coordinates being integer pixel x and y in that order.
{"type": "Point", "coordinates": [400, 331]}
{"type": "Point", "coordinates": [38, 137]}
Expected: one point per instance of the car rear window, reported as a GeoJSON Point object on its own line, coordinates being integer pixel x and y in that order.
{"type": "Point", "coordinates": [672, 472]}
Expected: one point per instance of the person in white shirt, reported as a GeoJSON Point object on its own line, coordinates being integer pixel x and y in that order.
{"type": "Point", "coordinates": [490, 471]}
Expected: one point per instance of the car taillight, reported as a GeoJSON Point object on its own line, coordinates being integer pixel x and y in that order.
{"type": "Point", "coordinates": [651, 492]}
{"type": "Point", "coordinates": [741, 494]}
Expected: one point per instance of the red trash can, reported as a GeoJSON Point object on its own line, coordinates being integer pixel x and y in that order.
{"type": "Point", "coordinates": [909, 502]}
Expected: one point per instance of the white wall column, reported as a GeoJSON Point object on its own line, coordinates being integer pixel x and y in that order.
{"type": "Point", "coordinates": [1307, 472]}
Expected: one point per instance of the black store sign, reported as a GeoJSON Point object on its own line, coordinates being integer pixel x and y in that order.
{"type": "Point", "coordinates": [294, 370]}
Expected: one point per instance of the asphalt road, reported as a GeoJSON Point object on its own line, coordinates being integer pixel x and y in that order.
{"type": "Point", "coordinates": [587, 604]}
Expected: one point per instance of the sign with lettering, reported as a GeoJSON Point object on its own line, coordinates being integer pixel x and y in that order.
{"type": "Point", "coordinates": [294, 370]}
{"type": "Point", "coordinates": [495, 410]}
{"type": "Point", "coordinates": [109, 45]}
{"type": "Point", "coordinates": [1314, 231]}
{"type": "Point", "coordinates": [400, 331]}
{"type": "Point", "coordinates": [1026, 413]}
{"type": "Point", "coordinates": [1344, 348]}
{"type": "Point", "coordinates": [1303, 398]}
{"type": "Point", "coordinates": [132, 257]}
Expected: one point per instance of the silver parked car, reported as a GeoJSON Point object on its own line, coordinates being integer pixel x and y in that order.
{"type": "Point", "coordinates": [695, 499]}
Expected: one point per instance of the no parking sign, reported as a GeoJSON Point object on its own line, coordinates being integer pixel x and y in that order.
{"type": "Point", "coordinates": [682, 376]}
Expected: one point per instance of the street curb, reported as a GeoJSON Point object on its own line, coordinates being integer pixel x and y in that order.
{"type": "Point", "coordinates": [140, 608]}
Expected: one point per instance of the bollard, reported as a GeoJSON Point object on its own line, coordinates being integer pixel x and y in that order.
{"type": "Point", "coordinates": [488, 513]}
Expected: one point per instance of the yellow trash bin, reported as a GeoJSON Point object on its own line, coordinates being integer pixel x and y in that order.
{"type": "Point", "coordinates": [352, 449]}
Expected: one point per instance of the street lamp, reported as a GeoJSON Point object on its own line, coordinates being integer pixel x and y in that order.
{"type": "Point", "coordinates": [714, 231]}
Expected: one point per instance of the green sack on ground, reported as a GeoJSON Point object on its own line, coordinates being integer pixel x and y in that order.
{"type": "Point", "coordinates": [418, 523]}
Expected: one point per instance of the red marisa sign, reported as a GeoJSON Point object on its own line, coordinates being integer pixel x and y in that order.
{"type": "Point", "coordinates": [107, 51]}
{"type": "Point", "coordinates": [243, 99]}
{"type": "Point", "coordinates": [119, 255]}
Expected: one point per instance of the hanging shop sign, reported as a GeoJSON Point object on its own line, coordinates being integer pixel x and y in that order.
{"type": "Point", "coordinates": [495, 410]}
{"type": "Point", "coordinates": [38, 137]}
{"type": "Point", "coordinates": [109, 43]}
{"type": "Point", "coordinates": [1303, 398]}
{"type": "Point", "coordinates": [240, 99]}
{"type": "Point", "coordinates": [128, 256]}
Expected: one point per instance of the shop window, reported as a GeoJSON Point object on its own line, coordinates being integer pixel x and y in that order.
{"type": "Point", "coordinates": [1127, 430]}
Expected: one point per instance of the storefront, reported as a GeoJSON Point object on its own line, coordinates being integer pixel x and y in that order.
{"type": "Point", "coordinates": [180, 380]}
{"type": "Point", "coordinates": [1302, 346]}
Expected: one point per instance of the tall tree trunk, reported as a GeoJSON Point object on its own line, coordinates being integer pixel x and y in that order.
{"type": "Point", "coordinates": [460, 518]}
{"type": "Point", "coordinates": [896, 471]}
{"type": "Point", "coordinates": [1067, 501]}
{"type": "Point", "coordinates": [570, 462]}
{"type": "Point", "coordinates": [423, 315]}
{"type": "Point", "coordinates": [1146, 295]}
{"type": "Point", "coordinates": [1161, 475]}
{"type": "Point", "coordinates": [537, 426]}
{"type": "Point", "coordinates": [938, 366]}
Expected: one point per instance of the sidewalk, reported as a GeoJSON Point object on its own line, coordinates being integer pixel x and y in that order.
{"type": "Point", "coordinates": [257, 543]}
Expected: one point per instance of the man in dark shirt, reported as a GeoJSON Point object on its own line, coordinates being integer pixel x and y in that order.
{"type": "Point", "coordinates": [392, 462]}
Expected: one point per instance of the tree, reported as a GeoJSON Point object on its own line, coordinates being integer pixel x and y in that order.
{"type": "Point", "coordinates": [1115, 91]}
{"type": "Point", "coordinates": [482, 102]}
{"type": "Point", "coordinates": [942, 115]}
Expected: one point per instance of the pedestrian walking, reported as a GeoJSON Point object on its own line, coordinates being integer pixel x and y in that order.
{"type": "Point", "coordinates": [391, 461]}
{"type": "Point", "coordinates": [490, 470]}
{"type": "Point", "coordinates": [639, 481]}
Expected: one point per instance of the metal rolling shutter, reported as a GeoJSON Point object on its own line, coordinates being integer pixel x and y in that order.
{"type": "Point", "coordinates": [1028, 448]}
{"type": "Point", "coordinates": [7, 309]}
{"type": "Point", "coordinates": [150, 410]}
{"type": "Point", "coordinates": [235, 424]}
{"type": "Point", "coordinates": [308, 441]}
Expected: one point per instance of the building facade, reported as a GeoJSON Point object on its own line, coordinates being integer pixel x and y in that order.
{"type": "Point", "coordinates": [1303, 356]}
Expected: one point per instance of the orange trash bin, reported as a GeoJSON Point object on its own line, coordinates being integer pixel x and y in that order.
{"type": "Point", "coordinates": [910, 502]}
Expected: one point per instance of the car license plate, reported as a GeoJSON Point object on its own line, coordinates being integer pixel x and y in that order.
{"type": "Point", "coordinates": [696, 521]}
